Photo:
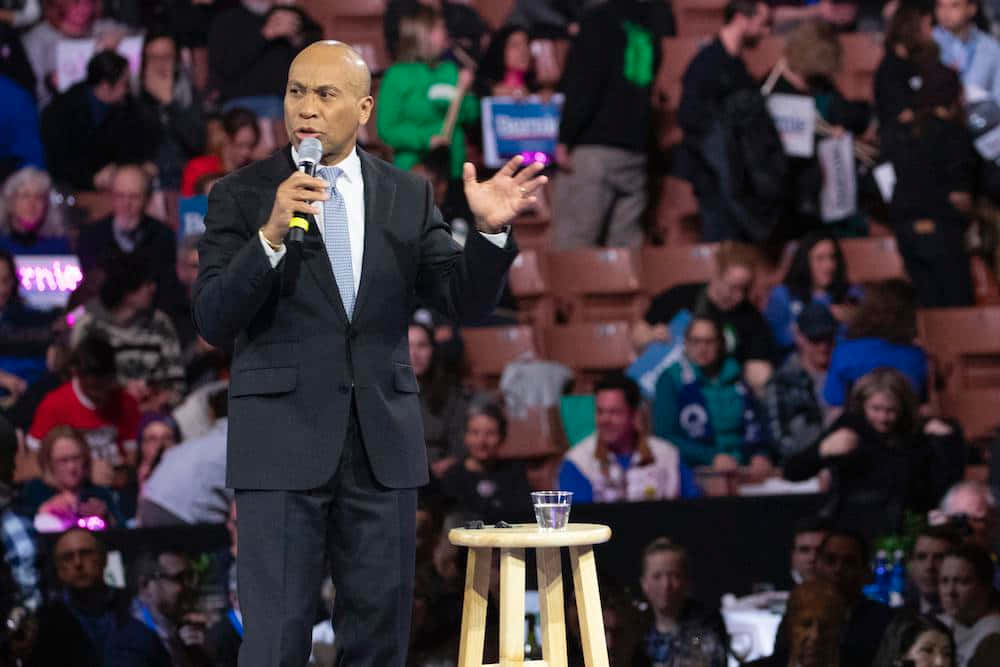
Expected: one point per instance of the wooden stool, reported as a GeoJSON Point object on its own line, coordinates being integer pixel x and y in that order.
{"type": "Point", "coordinates": [512, 542]}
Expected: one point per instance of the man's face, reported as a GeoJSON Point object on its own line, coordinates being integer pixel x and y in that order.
{"type": "Point", "coordinates": [482, 437]}
{"type": "Point", "coordinates": [701, 344]}
{"type": "Point", "coordinates": [962, 597]}
{"type": "Point", "coordinates": [172, 585]}
{"type": "Point", "coordinates": [816, 353]}
{"type": "Point", "coordinates": [758, 26]}
{"type": "Point", "coordinates": [731, 287]}
{"type": "Point", "coordinates": [925, 564]}
{"type": "Point", "coordinates": [128, 198]}
{"type": "Point", "coordinates": [117, 92]}
{"type": "Point", "coordinates": [615, 419]}
{"type": "Point", "coordinates": [327, 98]}
{"type": "Point", "coordinates": [954, 15]}
{"type": "Point", "coordinates": [805, 549]}
{"type": "Point", "coordinates": [79, 560]}
{"type": "Point", "coordinates": [665, 581]}
{"type": "Point", "coordinates": [97, 388]}
{"type": "Point", "coordinates": [238, 149]}
{"type": "Point", "coordinates": [840, 562]}
{"type": "Point", "coordinates": [813, 638]}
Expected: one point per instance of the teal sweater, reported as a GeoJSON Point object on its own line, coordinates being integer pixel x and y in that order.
{"type": "Point", "coordinates": [725, 406]}
{"type": "Point", "coordinates": [413, 101]}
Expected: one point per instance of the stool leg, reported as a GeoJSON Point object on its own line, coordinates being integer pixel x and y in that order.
{"type": "Point", "coordinates": [511, 607]}
{"type": "Point", "coordinates": [551, 601]}
{"type": "Point", "coordinates": [477, 588]}
{"type": "Point", "coordinates": [588, 605]}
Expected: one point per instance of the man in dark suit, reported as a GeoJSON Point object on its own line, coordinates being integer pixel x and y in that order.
{"type": "Point", "coordinates": [325, 436]}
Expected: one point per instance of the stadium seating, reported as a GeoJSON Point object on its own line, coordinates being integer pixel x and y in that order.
{"type": "Point", "coordinates": [964, 345]}
{"type": "Point", "coordinates": [593, 284]}
{"type": "Point", "coordinates": [666, 267]}
{"type": "Point", "coordinates": [872, 259]}
{"type": "Point", "coordinates": [528, 281]}
{"type": "Point", "coordinates": [589, 348]}
{"type": "Point", "coordinates": [489, 349]}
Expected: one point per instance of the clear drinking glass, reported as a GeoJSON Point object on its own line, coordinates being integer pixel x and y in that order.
{"type": "Point", "coordinates": [552, 508]}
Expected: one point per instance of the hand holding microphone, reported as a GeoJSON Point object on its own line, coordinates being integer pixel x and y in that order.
{"type": "Point", "coordinates": [295, 197]}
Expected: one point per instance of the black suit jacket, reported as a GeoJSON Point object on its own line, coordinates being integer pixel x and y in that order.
{"type": "Point", "coordinates": [297, 359]}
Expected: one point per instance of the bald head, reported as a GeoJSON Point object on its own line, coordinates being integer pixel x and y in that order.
{"type": "Point", "coordinates": [336, 54]}
{"type": "Point", "coordinates": [328, 98]}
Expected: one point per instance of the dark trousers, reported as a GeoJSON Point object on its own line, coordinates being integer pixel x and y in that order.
{"type": "Point", "coordinates": [365, 533]}
{"type": "Point", "coordinates": [938, 266]}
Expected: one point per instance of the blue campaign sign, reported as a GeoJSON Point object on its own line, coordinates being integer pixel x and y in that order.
{"type": "Point", "coordinates": [528, 127]}
{"type": "Point", "coordinates": [192, 215]}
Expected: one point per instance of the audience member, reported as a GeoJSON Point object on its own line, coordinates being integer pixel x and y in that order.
{"type": "Point", "coordinates": [240, 135]}
{"type": "Point", "coordinates": [843, 562]}
{"type": "Point", "coordinates": [20, 14]}
{"type": "Point", "coordinates": [189, 484]}
{"type": "Point", "coordinates": [86, 623]}
{"type": "Point", "coordinates": [507, 69]}
{"type": "Point", "coordinates": [971, 507]}
{"type": "Point", "coordinates": [451, 202]}
{"type": "Point", "coordinates": [224, 638]}
{"type": "Point", "coordinates": [147, 350]}
{"type": "Point", "coordinates": [969, 602]}
{"type": "Point", "coordinates": [812, 61]}
{"type": "Point", "coordinates": [814, 619]}
{"type": "Point", "coordinates": [909, 45]}
{"type": "Point", "coordinates": [20, 136]}
{"type": "Point", "coordinates": [918, 640]}
{"type": "Point", "coordinates": [600, 194]}
{"type": "Point", "coordinates": [817, 274]}
{"type": "Point", "coordinates": [17, 532]}
{"type": "Point", "coordinates": [417, 90]}
{"type": "Point", "coordinates": [24, 335]}
{"type": "Point", "coordinates": [793, 397]}
{"type": "Point", "coordinates": [674, 616]}
{"type": "Point", "coordinates": [884, 460]}
{"type": "Point", "coordinates": [93, 403]}
{"type": "Point", "coordinates": [250, 48]}
{"type": "Point", "coordinates": [28, 224]}
{"type": "Point", "coordinates": [881, 334]}
{"type": "Point", "coordinates": [966, 49]}
{"type": "Point", "coordinates": [466, 28]}
{"type": "Point", "coordinates": [808, 538]}
{"type": "Point", "coordinates": [129, 231]}
{"type": "Point", "coordinates": [622, 460]}
{"type": "Point", "coordinates": [165, 583]}
{"type": "Point", "coordinates": [705, 409]}
{"type": "Point", "coordinates": [157, 433]}
{"type": "Point", "coordinates": [726, 299]}
{"type": "Point", "coordinates": [482, 485]}
{"type": "Point", "coordinates": [93, 126]}
{"type": "Point", "coordinates": [176, 303]}
{"type": "Point", "coordinates": [65, 494]}
{"type": "Point", "coordinates": [171, 109]}
{"type": "Point", "coordinates": [65, 20]}
{"type": "Point", "coordinates": [714, 76]}
{"type": "Point", "coordinates": [924, 565]}
{"type": "Point", "coordinates": [442, 401]}
{"type": "Point", "coordinates": [935, 167]}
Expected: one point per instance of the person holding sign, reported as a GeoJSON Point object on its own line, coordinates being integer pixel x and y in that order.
{"type": "Point", "coordinates": [423, 101]}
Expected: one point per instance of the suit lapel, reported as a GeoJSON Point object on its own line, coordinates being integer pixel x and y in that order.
{"type": "Point", "coordinates": [313, 251]}
{"type": "Point", "coordinates": [380, 194]}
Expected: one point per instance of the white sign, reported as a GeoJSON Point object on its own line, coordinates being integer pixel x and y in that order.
{"type": "Point", "coordinates": [47, 280]}
{"type": "Point", "coordinates": [885, 178]}
{"type": "Point", "coordinates": [72, 56]}
{"type": "Point", "coordinates": [795, 118]}
{"type": "Point", "coordinates": [838, 198]}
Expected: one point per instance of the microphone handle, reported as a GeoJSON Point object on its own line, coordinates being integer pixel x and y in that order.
{"type": "Point", "coordinates": [298, 224]}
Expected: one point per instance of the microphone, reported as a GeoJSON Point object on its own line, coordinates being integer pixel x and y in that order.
{"type": "Point", "coordinates": [310, 154]}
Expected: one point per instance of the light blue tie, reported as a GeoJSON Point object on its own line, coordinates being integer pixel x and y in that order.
{"type": "Point", "coordinates": [337, 239]}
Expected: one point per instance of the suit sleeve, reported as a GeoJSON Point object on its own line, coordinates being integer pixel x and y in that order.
{"type": "Point", "coordinates": [234, 274]}
{"type": "Point", "coordinates": [464, 284]}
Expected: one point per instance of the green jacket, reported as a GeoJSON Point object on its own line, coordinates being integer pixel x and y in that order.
{"type": "Point", "coordinates": [724, 403]}
{"type": "Point", "coordinates": [413, 101]}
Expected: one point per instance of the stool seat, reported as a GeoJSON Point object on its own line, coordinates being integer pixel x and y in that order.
{"type": "Point", "coordinates": [530, 536]}
{"type": "Point", "coordinates": [580, 538]}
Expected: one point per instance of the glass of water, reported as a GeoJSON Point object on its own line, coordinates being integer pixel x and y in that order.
{"type": "Point", "coordinates": [551, 508]}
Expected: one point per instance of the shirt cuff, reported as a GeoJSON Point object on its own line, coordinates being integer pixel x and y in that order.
{"type": "Point", "coordinates": [273, 255]}
{"type": "Point", "coordinates": [499, 239]}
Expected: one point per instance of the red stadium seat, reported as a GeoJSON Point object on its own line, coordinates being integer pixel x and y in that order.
{"type": "Point", "coordinates": [964, 344]}
{"type": "Point", "coordinates": [978, 411]}
{"type": "Point", "coordinates": [589, 348]}
{"type": "Point", "coordinates": [597, 284]}
{"type": "Point", "coordinates": [698, 18]}
{"type": "Point", "coordinates": [528, 280]}
{"type": "Point", "coordinates": [872, 259]}
{"type": "Point", "coordinates": [488, 350]}
{"type": "Point", "coordinates": [862, 53]}
{"type": "Point", "coordinates": [666, 267]}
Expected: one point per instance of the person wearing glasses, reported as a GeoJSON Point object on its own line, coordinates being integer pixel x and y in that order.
{"type": "Point", "coordinates": [704, 407]}
{"type": "Point", "coordinates": [165, 585]}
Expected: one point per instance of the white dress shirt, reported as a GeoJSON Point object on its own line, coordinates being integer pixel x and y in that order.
{"type": "Point", "coordinates": [351, 187]}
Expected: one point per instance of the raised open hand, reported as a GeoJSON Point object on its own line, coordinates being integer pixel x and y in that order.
{"type": "Point", "coordinates": [509, 193]}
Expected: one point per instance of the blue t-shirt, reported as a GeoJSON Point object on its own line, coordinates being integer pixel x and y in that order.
{"type": "Point", "coordinates": [855, 358]}
{"type": "Point", "coordinates": [571, 479]}
{"type": "Point", "coordinates": [783, 310]}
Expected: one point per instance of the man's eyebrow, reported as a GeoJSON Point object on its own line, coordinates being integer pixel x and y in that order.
{"type": "Point", "coordinates": [328, 88]}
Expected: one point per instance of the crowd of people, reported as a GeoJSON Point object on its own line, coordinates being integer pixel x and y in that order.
{"type": "Point", "coordinates": [114, 410]}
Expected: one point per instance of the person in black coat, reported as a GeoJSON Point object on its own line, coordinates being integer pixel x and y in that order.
{"type": "Point", "coordinates": [325, 445]}
{"type": "Point", "coordinates": [483, 486]}
{"type": "Point", "coordinates": [93, 125]}
{"type": "Point", "coordinates": [883, 461]}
